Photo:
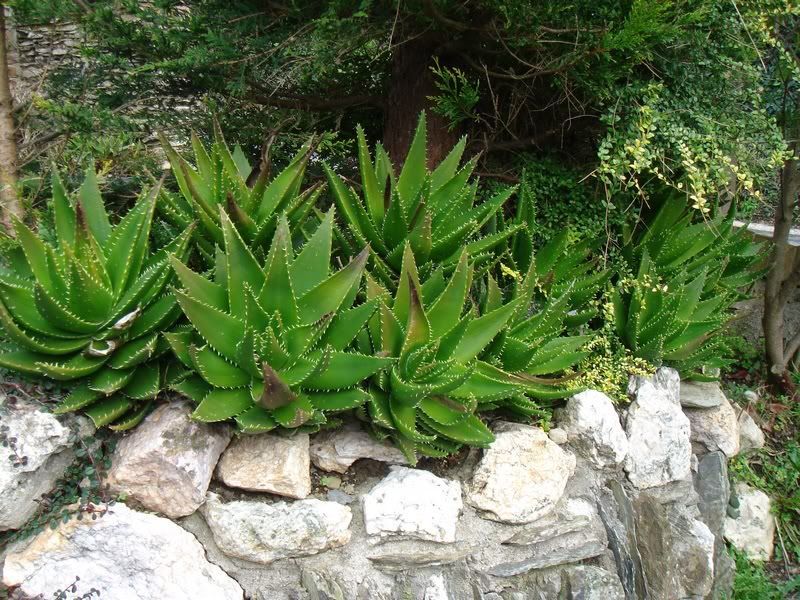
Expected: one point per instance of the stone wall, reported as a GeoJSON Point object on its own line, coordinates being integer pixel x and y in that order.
{"type": "Point", "coordinates": [610, 504]}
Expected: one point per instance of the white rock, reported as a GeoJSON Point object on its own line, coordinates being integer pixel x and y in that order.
{"type": "Point", "coordinates": [593, 428]}
{"type": "Point", "coordinates": [715, 428]}
{"type": "Point", "coordinates": [126, 555]}
{"type": "Point", "coordinates": [693, 549]}
{"type": "Point", "coordinates": [337, 450]}
{"type": "Point", "coordinates": [166, 463]}
{"type": "Point", "coordinates": [750, 435]}
{"type": "Point", "coordinates": [268, 463]}
{"type": "Point", "coordinates": [665, 379]}
{"type": "Point", "coordinates": [751, 396]}
{"type": "Point", "coordinates": [263, 533]}
{"type": "Point", "coordinates": [701, 394]}
{"type": "Point", "coordinates": [660, 450]}
{"type": "Point", "coordinates": [558, 435]}
{"type": "Point", "coordinates": [43, 441]}
{"type": "Point", "coordinates": [436, 589]}
{"type": "Point", "coordinates": [753, 531]}
{"type": "Point", "coordinates": [521, 476]}
{"type": "Point", "coordinates": [412, 503]}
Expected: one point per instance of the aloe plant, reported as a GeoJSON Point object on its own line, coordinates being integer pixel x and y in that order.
{"type": "Point", "coordinates": [453, 358]}
{"type": "Point", "coordinates": [270, 341]}
{"type": "Point", "coordinates": [434, 212]}
{"type": "Point", "coordinates": [219, 179]}
{"type": "Point", "coordinates": [90, 306]}
{"type": "Point", "coordinates": [687, 276]}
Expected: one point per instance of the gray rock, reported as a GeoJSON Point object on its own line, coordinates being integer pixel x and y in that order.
{"type": "Point", "coordinates": [268, 462]}
{"type": "Point", "coordinates": [573, 534]}
{"type": "Point", "coordinates": [340, 497]}
{"type": "Point", "coordinates": [655, 543]}
{"type": "Point", "coordinates": [320, 586]}
{"type": "Point", "coordinates": [753, 531]}
{"type": "Point", "coordinates": [715, 428]}
{"type": "Point", "coordinates": [693, 545]}
{"type": "Point", "coordinates": [407, 554]}
{"type": "Point", "coordinates": [701, 394]}
{"type": "Point", "coordinates": [713, 487]}
{"type": "Point", "coordinates": [412, 503]}
{"type": "Point", "coordinates": [593, 429]}
{"type": "Point", "coordinates": [42, 444]}
{"type": "Point", "coordinates": [263, 533]}
{"type": "Point", "coordinates": [166, 463]}
{"type": "Point", "coordinates": [587, 582]}
{"type": "Point", "coordinates": [126, 555]}
{"type": "Point", "coordinates": [337, 450]}
{"type": "Point", "coordinates": [521, 476]}
{"type": "Point", "coordinates": [558, 435]}
{"type": "Point", "coordinates": [750, 435]}
{"type": "Point", "coordinates": [619, 519]}
{"type": "Point", "coordinates": [660, 449]}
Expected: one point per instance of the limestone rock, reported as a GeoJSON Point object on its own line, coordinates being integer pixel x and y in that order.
{"type": "Point", "coordinates": [753, 531]}
{"type": "Point", "coordinates": [659, 450]}
{"type": "Point", "coordinates": [570, 534]}
{"type": "Point", "coordinates": [593, 428]}
{"type": "Point", "coordinates": [413, 503]}
{"type": "Point", "coordinates": [42, 446]}
{"type": "Point", "coordinates": [715, 428]}
{"type": "Point", "coordinates": [701, 394]}
{"type": "Point", "coordinates": [268, 463]}
{"type": "Point", "coordinates": [587, 582]}
{"type": "Point", "coordinates": [713, 487]}
{"type": "Point", "coordinates": [166, 463]}
{"type": "Point", "coordinates": [655, 541]}
{"type": "Point", "coordinates": [337, 450]}
{"type": "Point", "coordinates": [262, 532]}
{"type": "Point", "coordinates": [521, 476]}
{"type": "Point", "coordinates": [693, 546]}
{"type": "Point", "coordinates": [750, 435]}
{"type": "Point", "coordinates": [558, 435]}
{"type": "Point", "coordinates": [126, 555]}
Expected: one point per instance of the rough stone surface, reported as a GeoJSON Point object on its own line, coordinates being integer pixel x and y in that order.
{"type": "Point", "coordinates": [655, 543]}
{"type": "Point", "coordinates": [753, 531]}
{"type": "Point", "coordinates": [593, 429]}
{"type": "Point", "coordinates": [268, 463]}
{"type": "Point", "coordinates": [713, 487]}
{"type": "Point", "coordinates": [715, 428]}
{"type": "Point", "coordinates": [126, 555]}
{"type": "Point", "coordinates": [42, 441]}
{"type": "Point", "coordinates": [660, 449]}
{"type": "Point", "coordinates": [412, 503]}
{"type": "Point", "coordinates": [701, 394]}
{"type": "Point", "coordinates": [750, 435]}
{"type": "Point", "coordinates": [262, 532]}
{"type": "Point", "coordinates": [587, 582]}
{"type": "Point", "coordinates": [558, 435]}
{"type": "Point", "coordinates": [521, 476]}
{"type": "Point", "coordinates": [337, 450]}
{"type": "Point", "coordinates": [569, 534]}
{"type": "Point", "coordinates": [166, 463]}
{"type": "Point", "coordinates": [693, 545]}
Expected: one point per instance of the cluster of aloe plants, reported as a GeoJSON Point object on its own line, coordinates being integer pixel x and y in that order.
{"type": "Point", "coordinates": [409, 301]}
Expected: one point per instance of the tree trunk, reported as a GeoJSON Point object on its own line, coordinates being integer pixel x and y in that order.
{"type": "Point", "coordinates": [779, 287]}
{"type": "Point", "coordinates": [10, 202]}
{"type": "Point", "coordinates": [410, 85]}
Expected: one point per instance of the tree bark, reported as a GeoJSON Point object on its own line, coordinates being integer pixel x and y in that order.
{"type": "Point", "coordinates": [779, 287]}
{"type": "Point", "coordinates": [10, 202]}
{"type": "Point", "coordinates": [411, 83]}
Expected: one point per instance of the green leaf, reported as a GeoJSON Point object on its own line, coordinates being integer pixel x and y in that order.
{"type": "Point", "coordinates": [108, 410]}
{"type": "Point", "coordinates": [346, 369]}
{"type": "Point", "coordinates": [63, 213]}
{"type": "Point", "coordinates": [311, 266]}
{"type": "Point", "coordinates": [132, 418]}
{"type": "Point", "coordinates": [107, 381]}
{"type": "Point", "coordinates": [327, 297]}
{"type": "Point", "coordinates": [134, 352]}
{"type": "Point", "coordinates": [94, 209]}
{"type": "Point", "coordinates": [255, 420]}
{"type": "Point", "coordinates": [445, 313]}
{"type": "Point", "coordinates": [219, 405]}
{"type": "Point", "coordinates": [415, 168]}
{"type": "Point", "coordinates": [369, 182]}
{"type": "Point", "coordinates": [339, 400]}
{"type": "Point", "coordinates": [222, 331]}
{"type": "Point", "coordinates": [481, 331]}
{"type": "Point", "coordinates": [79, 397]}
{"type": "Point", "coordinates": [145, 383]}
{"type": "Point", "coordinates": [241, 267]}
{"type": "Point", "coordinates": [216, 370]}
{"type": "Point", "coordinates": [470, 431]}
